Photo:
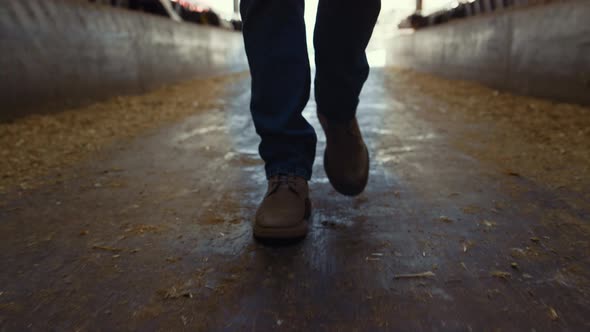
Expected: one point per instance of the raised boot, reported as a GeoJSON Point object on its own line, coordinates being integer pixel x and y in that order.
{"type": "Point", "coordinates": [346, 158]}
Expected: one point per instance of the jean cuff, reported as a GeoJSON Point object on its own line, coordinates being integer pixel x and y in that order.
{"type": "Point", "coordinates": [285, 170]}
{"type": "Point", "coordinates": [340, 118]}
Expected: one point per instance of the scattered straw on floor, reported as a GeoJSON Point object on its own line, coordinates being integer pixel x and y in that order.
{"type": "Point", "coordinates": [44, 144]}
{"type": "Point", "coordinates": [539, 139]}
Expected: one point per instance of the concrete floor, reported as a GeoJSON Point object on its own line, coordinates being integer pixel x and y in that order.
{"type": "Point", "coordinates": [155, 235]}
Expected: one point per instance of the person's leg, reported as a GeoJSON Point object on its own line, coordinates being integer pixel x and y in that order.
{"type": "Point", "coordinates": [274, 36]}
{"type": "Point", "coordinates": [342, 32]}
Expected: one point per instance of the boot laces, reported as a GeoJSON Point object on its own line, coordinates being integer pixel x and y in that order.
{"type": "Point", "coordinates": [283, 181]}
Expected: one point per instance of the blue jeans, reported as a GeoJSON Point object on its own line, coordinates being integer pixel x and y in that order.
{"type": "Point", "coordinates": [274, 36]}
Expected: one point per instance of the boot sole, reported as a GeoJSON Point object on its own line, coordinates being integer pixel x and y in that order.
{"type": "Point", "coordinates": [342, 188]}
{"type": "Point", "coordinates": [298, 231]}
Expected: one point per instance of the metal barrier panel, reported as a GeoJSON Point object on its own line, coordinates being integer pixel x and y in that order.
{"type": "Point", "coordinates": [541, 50]}
{"type": "Point", "coordinates": [63, 53]}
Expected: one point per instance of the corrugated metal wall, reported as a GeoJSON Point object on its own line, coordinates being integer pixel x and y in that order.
{"type": "Point", "coordinates": [61, 53]}
{"type": "Point", "coordinates": [541, 50]}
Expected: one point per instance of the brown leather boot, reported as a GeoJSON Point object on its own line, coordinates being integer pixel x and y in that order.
{"type": "Point", "coordinates": [346, 159]}
{"type": "Point", "coordinates": [285, 209]}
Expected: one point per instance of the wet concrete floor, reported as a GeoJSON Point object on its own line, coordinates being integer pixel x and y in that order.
{"type": "Point", "coordinates": [155, 235]}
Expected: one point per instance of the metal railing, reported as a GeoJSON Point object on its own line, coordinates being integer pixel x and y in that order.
{"type": "Point", "coordinates": [465, 8]}
{"type": "Point", "coordinates": [177, 10]}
